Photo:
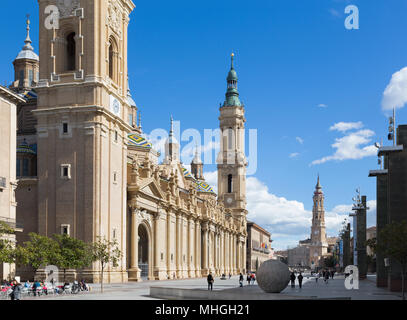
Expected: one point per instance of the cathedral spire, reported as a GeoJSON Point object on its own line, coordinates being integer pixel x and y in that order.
{"type": "Point", "coordinates": [172, 146]}
{"type": "Point", "coordinates": [27, 39]}
{"type": "Point", "coordinates": [232, 95]}
{"type": "Point", "coordinates": [318, 186]}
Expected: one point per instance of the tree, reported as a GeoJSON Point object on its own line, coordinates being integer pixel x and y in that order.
{"type": "Point", "coordinates": [39, 251]}
{"type": "Point", "coordinates": [72, 253]}
{"type": "Point", "coordinates": [329, 262]}
{"type": "Point", "coordinates": [372, 243]}
{"type": "Point", "coordinates": [6, 245]}
{"type": "Point", "coordinates": [105, 252]}
{"type": "Point", "coordinates": [393, 244]}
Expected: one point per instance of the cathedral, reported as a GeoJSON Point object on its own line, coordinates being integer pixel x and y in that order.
{"type": "Point", "coordinates": [86, 169]}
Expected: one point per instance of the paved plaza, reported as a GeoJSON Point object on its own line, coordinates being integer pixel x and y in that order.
{"type": "Point", "coordinates": [311, 289]}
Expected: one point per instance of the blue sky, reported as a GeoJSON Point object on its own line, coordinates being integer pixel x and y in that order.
{"type": "Point", "coordinates": [291, 57]}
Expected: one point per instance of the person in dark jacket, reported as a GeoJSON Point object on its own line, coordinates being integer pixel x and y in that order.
{"type": "Point", "coordinates": [300, 277]}
{"type": "Point", "coordinates": [16, 294]}
{"type": "Point", "coordinates": [292, 278]}
{"type": "Point", "coordinates": [248, 279]}
{"type": "Point", "coordinates": [241, 279]}
{"type": "Point", "coordinates": [210, 281]}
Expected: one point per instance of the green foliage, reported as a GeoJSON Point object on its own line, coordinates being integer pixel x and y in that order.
{"type": "Point", "coordinates": [372, 243]}
{"type": "Point", "coordinates": [329, 262]}
{"type": "Point", "coordinates": [6, 245]}
{"type": "Point", "coordinates": [393, 244]}
{"type": "Point", "coordinates": [39, 251]}
{"type": "Point", "coordinates": [105, 252]}
{"type": "Point", "coordinates": [71, 253]}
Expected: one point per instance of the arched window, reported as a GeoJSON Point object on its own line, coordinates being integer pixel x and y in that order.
{"type": "Point", "coordinates": [230, 139]}
{"type": "Point", "coordinates": [113, 54]}
{"type": "Point", "coordinates": [70, 52]}
{"type": "Point", "coordinates": [230, 181]}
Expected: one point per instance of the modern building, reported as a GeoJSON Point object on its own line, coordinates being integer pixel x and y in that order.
{"type": "Point", "coordinates": [258, 246]}
{"type": "Point", "coordinates": [8, 180]}
{"type": "Point", "coordinates": [87, 170]}
{"type": "Point", "coordinates": [391, 197]}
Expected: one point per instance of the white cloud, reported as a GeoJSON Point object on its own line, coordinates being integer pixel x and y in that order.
{"type": "Point", "coordinates": [300, 140]}
{"type": "Point", "coordinates": [211, 178]}
{"type": "Point", "coordinates": [346, 126]}
{"type": "Point", "coordinates": [322, 105]}
{"type": "Point", "coordinates": [287, 220]}
{"type": "Point", "coordinates": [294, 155]}
{"type": "Point", "coordinates": [395, 94]}
{"type": "Point", "coordinates": [353, 146]}
{"type": "Point", "coordinates": [335, 13]}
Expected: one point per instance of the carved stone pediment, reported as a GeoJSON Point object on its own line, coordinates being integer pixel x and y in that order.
{"type": "Point", "coordinates": [67, 7]}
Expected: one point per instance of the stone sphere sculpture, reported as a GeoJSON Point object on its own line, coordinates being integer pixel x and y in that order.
{"type": "Point", "coordinates": [273, 276]}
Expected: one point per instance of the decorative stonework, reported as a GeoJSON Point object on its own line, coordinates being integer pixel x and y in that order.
{"type": "Point", "coordinates": [114, 18]}
{"type": "Point", "coordinates": [144, 216]}
{"type": "Point", "coordinates": [67, 7]}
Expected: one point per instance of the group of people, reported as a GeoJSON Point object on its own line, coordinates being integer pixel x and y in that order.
{"type": "Point", "coordinates": [300, 277]}
{"type": "Point", "coordinates": [325, 274]}
{"type": "Point", "coordinates": [250, 278]}
{"type": "Point", "coordinates": [15, 289]}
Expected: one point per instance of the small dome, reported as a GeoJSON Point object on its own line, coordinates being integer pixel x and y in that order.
{"type": "Point", "coordinates": [27, 54]}
{"type": "Point", "coordinates": [232, 76]}
{"type": "Point", "coordinates": [130, 100]}
{"type": "Point", "coordinates": [23, 147]}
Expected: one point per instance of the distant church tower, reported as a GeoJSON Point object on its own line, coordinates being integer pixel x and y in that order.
{"type": "Point", "coordinates": [319, 244]}
{"type": "Point", "coordinates": [231, 160]}
{"type": "Point", "coordinates": [197, 166]}
{"type": "Point", "coordinates": [26, 66]}
{"type": "Point", "coordinates": [83, 123]}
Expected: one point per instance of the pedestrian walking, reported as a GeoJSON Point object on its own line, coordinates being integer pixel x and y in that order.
{"type": "Point", "coordinates": [253, 278]}
{"type": "Point", "coordinates": [241, 280]}
{"type": "Point", "coordinates": [326, 277]}
{"type": "Point", "coordinates": [210, 281]}
{"type": "Point", "coordinates": [292, 278]}
{"type": "Point", "coordinates": [300, 277]}
{"type": "Point", "coordinates": [230, 276]}
{"type": "Point", "coordinates": [316, 278]}
{"type": "Point", "coordinates": [332, 274]}
{"type": "Point", "coordinates": [248, 279]}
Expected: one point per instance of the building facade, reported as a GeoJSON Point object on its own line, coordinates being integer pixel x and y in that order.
{"type": "Point", "coordinates": [259, 247]}
{"type": "Point", "coordinates": [8, 180]}
{"type": "Point", "coordinates": [87, 170]}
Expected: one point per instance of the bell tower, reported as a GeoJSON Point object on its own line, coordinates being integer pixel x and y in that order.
{"type": "Point", "coordinates": [319, 244]}
{"type": "Point", "coordinates": [232, 165]}
{"type": "Point", "coordinates": [83, 122]}
{"type": "Point", "coordinates": [231, 159]}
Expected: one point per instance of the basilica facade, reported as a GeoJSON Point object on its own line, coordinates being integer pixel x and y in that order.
{"type": "Point", "coordinates": [85, 168]}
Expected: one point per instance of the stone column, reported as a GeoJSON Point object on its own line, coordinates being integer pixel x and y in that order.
{"type": "Point", "coordinates": [197, 248]}
{"type": "Point", "coordinates": [168, 245]}
{"type": "Point", "coordinates": [189, 248]}
{"type": "Point", "coordinates": [361, 240]}
{"type": "Point", "coordinates": [205, 269]}
{"type": "Point", "coordinates": [156, 253]}
{"type": "Point", "coordinates": [178, 253]}
{"type": "Point", "coordinates": [135, 271]}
